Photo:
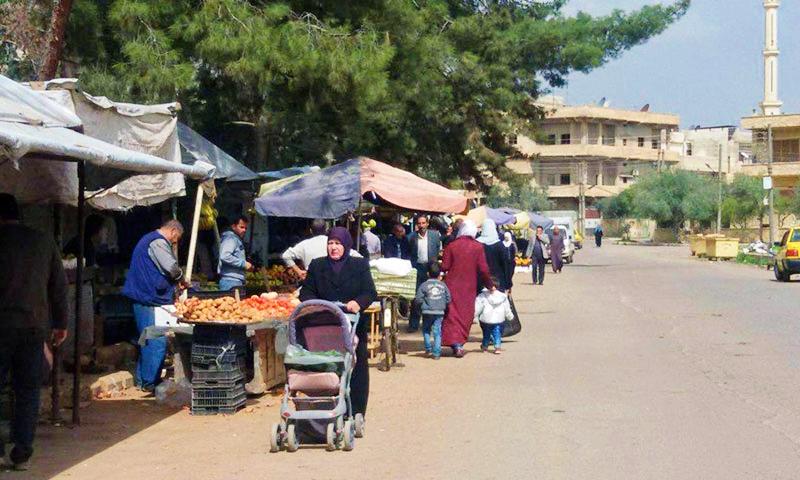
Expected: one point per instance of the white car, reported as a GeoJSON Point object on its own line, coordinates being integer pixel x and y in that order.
{"type": "Point", "coordinates": [569, 243]}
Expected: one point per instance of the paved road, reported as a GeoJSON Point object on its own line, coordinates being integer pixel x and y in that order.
{"type": "Point", "coordinates": [635, 363]}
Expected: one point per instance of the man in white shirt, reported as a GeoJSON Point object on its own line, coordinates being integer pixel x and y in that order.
{"type": "Point", "coordinates": [309, 249]}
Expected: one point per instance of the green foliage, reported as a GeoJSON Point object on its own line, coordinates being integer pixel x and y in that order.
{"type": "Point", "coordinates": [519, 194]}
{"type": "Point", "coordinates": [620, 206]}
{"type": "Point", "coordinates": [670, 198]}
{"type": "Point", "coordinates": [435, 86]}
{"type": "Point", "coordinates": [744, 200]}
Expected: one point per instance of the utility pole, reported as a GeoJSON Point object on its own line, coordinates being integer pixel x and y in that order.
{"type": "Point", "coordinates": [772, 227]}
{"type": "Point", "coordinates": [719, 190]}
{"type": "Point", "coordinates": [582, 198]}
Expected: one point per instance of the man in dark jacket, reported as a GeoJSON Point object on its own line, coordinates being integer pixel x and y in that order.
{"type": "Point", "coordinates": [425, 245]}
{"type": "Point", "coordinates": [537, 246]}
{"type": "Point", "coordinates": [33, 304]}
{"type": "Point", "coordinates": [151, 282]}
{"type": "Point", "coordinates": [396, 245]}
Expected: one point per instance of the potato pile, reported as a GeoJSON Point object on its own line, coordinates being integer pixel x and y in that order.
{"type": "Point", "coordinates": [229, 310]}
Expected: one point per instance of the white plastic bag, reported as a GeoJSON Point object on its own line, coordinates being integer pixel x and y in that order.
{"type": "Point", "coordinates": [174, 394]}
{"type": "Point", "coordinates": [392, 266]}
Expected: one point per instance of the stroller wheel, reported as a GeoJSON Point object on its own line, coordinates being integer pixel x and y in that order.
{"type": "Point", "coordinates": [292, 444]}
{"type": "Point", "coordinates": [275, 439]}
{"type": "Point", "coordinates": [349, 435]}
{"type": "Point", "coordinates": [330, 437]}
{"type": "Point", "coordinates": [360, 425]}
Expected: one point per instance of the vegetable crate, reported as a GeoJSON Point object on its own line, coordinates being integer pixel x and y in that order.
{"type": "Point", "coordinates": [393, 285]}
{"type": "Point", "coordinates": [218, 369]}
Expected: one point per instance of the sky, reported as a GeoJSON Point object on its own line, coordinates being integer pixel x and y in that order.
{"type": "Point", "coordinates": [707, 67]}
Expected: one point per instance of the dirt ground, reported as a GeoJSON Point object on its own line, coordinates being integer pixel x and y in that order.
{"type": "Point", "coordinates": [636, 362]}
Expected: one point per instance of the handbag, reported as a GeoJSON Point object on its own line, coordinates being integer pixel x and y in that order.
{"type": "Point", "coordinates": [513, 326]}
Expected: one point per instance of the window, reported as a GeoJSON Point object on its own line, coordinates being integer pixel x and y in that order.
{"type": "Point", "coordinates": [689, 149]}
{"type": "Point", "coordinates": [796, 235]}
{"type": "Point", "coordinates": [565, 180]}
{"type": "Point", "coordinates": [624, 142]}
{"type": "Point", "coordinates": [512, 139]}
{"type": "Point", "coordinates": [551, 139]}
{"type": "Point", "coordinates": [609, 135]}
{"type": "Point", "coordinates": [654, 142]}
{"type": "Point", "coordinates": [551, 179]}
{"type": "Point", "coordinates": [565, 139]}
{"type": "Point", "coordinates": [641, 141]}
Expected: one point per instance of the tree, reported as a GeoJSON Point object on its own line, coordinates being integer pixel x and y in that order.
{"type": "Point", "coordinates": [670, 198]}
{"type": "Point", "coordinates": [744, 200]}
{"type": "Point", "coordinates": [519, 194]}
{"type": "Point", "coordinates": [787, 206]}
{"type": "Point", "coordinates": [55, 41]}
{"type": "Point", "coordinates": [435, 86]}
{"type": "Point", "coordinates": [619, 206]}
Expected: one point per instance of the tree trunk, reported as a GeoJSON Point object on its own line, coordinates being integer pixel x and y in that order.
{"type": "Point", "coordinates": [55, 44]}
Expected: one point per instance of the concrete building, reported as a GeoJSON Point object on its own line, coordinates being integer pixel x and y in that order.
{"type": "Point", "coordinates": [709, 150]}
{"type": "Point", "coordinates": [585, 153]}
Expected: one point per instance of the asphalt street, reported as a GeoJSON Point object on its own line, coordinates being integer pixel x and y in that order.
{"type": "Point", "coordinates": [634, 363]}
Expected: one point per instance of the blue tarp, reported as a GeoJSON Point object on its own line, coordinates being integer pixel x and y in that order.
{"type": "Point", "coordinates": [287, 172]}
{"type": "Point", "coordinates": [540, 221]}
{"type": "Point", "coordinates": [328, 193]}
{"type": "Point", "coordinates": [502, 216]}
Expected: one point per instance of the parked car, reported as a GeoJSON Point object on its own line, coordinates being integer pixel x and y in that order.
{"type": "Point", "coordinates": [787, 258]}
{"type": "Point", "coordinates": [569, 243]}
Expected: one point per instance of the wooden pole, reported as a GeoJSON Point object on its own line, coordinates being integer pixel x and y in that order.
{"type": "Point", "coordinates": [198, 205]}
{"type": "Point", "coordinates": [76, 377]}
{"type": "Point", "coordinates": [55, 373]}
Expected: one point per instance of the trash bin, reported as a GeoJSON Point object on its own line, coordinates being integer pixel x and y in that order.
{"type": "Point", "coordinates": [697, 244]}
{"type": "Point", "coordinates": [722, 247]}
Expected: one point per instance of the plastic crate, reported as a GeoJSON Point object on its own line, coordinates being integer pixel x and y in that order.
{"type": "Point", "coordinates": [229, 395]}
{"type": "Point", "coordinates": [217, 377]}
{"type": "Point", "coordinates": [196, 410]}
{"type": "Point", "coordinates": [220, 359]}
{"type": "Point", "coordinates": [219, 334]}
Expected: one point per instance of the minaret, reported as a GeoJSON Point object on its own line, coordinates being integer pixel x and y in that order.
{"type": "Point", "coordinates": [771, 105]}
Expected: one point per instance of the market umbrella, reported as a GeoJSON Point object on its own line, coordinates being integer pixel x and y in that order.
{"type": "Point", "coordinates": [540, 220]}
{"type": "Point", "coordinates": [337, 190]}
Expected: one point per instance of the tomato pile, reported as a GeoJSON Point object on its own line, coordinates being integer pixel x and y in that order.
{"type": "Point", "coordinates": [272, 306]}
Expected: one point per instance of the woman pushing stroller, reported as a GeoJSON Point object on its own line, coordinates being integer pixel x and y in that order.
{"type": "Point", "coordinates": [342, 278]}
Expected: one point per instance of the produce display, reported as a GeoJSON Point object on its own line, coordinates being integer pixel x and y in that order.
{"type": "Point", "coordinates": [522, 262]}
{"type": "Point", "coordinates": [268, 306]}
{"type": "Point", "coordinates": [279, 278]}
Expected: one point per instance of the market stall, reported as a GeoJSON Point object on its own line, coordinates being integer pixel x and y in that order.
{"type": "Point", "coordinates": [44, 158]}
{"type": "Point", "coordinates": [342, 190]}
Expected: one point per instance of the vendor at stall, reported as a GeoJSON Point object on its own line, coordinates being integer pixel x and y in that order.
{"type": "Point", "coordinates": [396, 245]}
{"type": "Point", "coordinates": [310, 249]}
{"type": "Point", "coordinates": [232, 258]}
{"type": "Point", "coordinates": [338, 277]}
{"type": "Point", "coordinates": [153, 275]}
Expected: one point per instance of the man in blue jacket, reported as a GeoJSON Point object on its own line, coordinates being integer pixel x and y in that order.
{"type": "Point", "coordinates": [232, 258]}
{"type": "Point", "coordinates": [424, 245]}
{"type": "Point", "coordinates": [151, 281]}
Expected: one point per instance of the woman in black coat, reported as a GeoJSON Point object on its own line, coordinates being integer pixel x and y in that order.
{"type": "Point", "coordinates": [342, 278]}
{"type": "Point", "coordinates": [496, 255]}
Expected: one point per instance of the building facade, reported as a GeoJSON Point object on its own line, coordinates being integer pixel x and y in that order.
{"type": "Point", "coordinates": [583, 154]}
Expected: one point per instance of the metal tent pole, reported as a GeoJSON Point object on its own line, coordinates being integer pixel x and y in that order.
{"type": "Point", "coordinates": [76, 377]}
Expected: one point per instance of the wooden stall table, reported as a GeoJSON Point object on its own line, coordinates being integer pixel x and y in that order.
{"type": "Point", "coordinates": [373, 312]}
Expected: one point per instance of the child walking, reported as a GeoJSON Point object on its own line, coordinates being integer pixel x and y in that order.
{"type": "Point", "coordinates": [492, 309]}
{"type": "Point", "coordinates": [432, 298]}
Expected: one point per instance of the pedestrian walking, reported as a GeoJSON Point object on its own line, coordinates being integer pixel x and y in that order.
{"type": "Point", "coordinates": [464, 264]}
{"type": "Point", "coordinates": [425, 245]}
{"type": "Point", "coordinates": [537, 246]}
{"type": "Point", "coordinates": [598, 235]}
{"type": "Point", "coordinates": [341, 277]}
{"type": "Point", "coordinates": [492, 309]}
{"type": "Point", "coordinates": [152, 277]}
{"type": "Point", "coordinates": [511, 256]}
{"type": "Point", "coordinates": [432, 298]}
{"type": "Point", "coordinates": [232, 258]}
{"type": "Point", "coordinates": [33, 306]}
{"type": "Point", "coordinates": [496, 255]}
{"type": "Point", "coordinates": [557, 250]}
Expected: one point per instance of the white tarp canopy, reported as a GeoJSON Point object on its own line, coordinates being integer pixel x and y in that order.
{"type": "Point", "coordinates": [195, 147]}
{"type": "Point", "coordinates": [33, 134]}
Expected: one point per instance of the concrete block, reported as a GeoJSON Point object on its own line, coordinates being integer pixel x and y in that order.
{"type": "Point", "coordinates": [104, 386]}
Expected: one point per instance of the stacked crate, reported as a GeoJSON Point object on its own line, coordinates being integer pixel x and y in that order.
{"type": "Point", "coordinates": [218, 369]}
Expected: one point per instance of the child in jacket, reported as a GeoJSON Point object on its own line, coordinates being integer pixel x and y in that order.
{"type": "Point", "coordinates": [492, 309]}
{"type": "Point", "coordinates": [432, 298]}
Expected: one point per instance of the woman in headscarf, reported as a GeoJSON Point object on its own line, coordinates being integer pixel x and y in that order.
{"type": "Point", "coordinates": [465, 264]}
{"type": "Point", "coordinates": [340, 277]}
{"type": "Point", "coordinates": [511, 256]}
{"type": "Point", "coordinates": [496, 255]}
{"type": "Point", "coordinates": [557, 249]}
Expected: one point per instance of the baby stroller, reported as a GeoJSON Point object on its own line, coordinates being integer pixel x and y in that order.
{"type": "Point", "coordinates": [319, 361]}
